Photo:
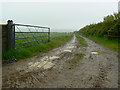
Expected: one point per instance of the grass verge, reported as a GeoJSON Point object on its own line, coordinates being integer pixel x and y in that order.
{"type": "Point", "coordinates": [111, 44]}
{"type": "Point", "coordinates": [57, 39]}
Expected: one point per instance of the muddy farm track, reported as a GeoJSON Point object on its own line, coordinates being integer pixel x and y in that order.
{"type": "Point", "coordinates": [51, 69]}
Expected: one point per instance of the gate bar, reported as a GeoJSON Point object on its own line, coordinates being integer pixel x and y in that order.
{"type": "Point", "coordinates": [30, 26]}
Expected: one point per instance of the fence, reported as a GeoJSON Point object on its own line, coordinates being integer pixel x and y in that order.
{"type": "Point", "coordinates": [15, 36]}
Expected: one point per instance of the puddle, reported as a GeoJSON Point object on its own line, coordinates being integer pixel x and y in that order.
{"type": "Point", "coordinates": [45, 65]}
{"type": "Point", "coordinates": [35, 64]}
{"type": "Point", "coordinates": [95, 53]}
{"type": "Point", "coordinates": [44, 62]}
{"type": "Point", "coordinates": [71, 47]}
{"type": "Point", "coordinates": [53, 57]}
{"type": "Point", "coordinates": [48, 65]}
{"type": "Point", "coordinates": [30, 63]}
{"type": "Point", "coordinates": [101, 52]}
{"type": "Point", "coordinates": [67, 50]}
{"type": "Point", "coordinates": [49, 58]}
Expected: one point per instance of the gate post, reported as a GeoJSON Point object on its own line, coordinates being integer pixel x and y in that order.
{"type": "Point", "coordinates": [11, 35]}
{"type": "Point", "coordinates": [49, 35]}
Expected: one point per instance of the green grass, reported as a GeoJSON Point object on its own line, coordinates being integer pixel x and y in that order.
{"type": "Point", "coordinates": [39, 37]}
{"type": "Point", "coordinates": [111, 44]}
{"type": "Point", "coordinates": [73, 62]}
{"type": "Point", "coordinates": [57, 39]}
{"type": "Point", "coordinates": [81, 41]}
{"type": "Point", "coordinates": [76, 58]}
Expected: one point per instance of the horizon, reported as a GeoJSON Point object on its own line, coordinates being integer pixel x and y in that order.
{"type": "Point", "coordinates": [63, 15]}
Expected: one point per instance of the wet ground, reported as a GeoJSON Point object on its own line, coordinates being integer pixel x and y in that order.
{"type": "Point", "coordinates": [97, 69]}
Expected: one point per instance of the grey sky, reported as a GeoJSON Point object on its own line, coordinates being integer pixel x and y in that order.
{"type": "Point", "coordinates": [61, 16]}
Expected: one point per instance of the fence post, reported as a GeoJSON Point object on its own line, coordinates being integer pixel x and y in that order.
{"type": "Point", "coordinates": [11, 35]}
{"type": "Point", "coordinates": [49, 35]}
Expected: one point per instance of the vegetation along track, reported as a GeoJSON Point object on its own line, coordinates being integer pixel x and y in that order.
{"type": "Point", "coordinates": [97, 69]}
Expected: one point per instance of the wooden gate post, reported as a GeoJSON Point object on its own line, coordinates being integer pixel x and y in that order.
{"type": "Point", "coordinates": [11, 35]}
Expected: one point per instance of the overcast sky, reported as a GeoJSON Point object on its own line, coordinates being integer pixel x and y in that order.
{"type": "Point", "coordinates": [59, 16]}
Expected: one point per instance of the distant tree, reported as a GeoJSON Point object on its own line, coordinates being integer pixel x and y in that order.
{"type": "Point", "coordinates": [109, 18]}
{"type": "Point", "coordinates": [116, 16]}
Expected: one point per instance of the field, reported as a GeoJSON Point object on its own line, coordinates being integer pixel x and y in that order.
{"type": "Point", "coordinates": [30, 39]}
{"type": "Point", "coordinates": [56, 40]}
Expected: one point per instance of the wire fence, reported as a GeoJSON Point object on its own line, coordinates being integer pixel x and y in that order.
{"type": "Point", "coordinates": [29, 35]}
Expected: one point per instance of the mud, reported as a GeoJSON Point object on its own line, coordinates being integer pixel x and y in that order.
{"type": "Point", "coordinates": [97, 69]}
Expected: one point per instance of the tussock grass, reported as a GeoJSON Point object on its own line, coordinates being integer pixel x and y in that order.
{"type": "Point", "coordinates": [57, 39]}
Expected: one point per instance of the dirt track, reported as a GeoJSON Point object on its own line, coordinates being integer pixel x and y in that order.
{"type": "Point", "coordinates": [50, 70]}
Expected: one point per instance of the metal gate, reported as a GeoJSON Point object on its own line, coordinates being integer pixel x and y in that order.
{"type": "Point", "coordinates": [21, 35]}
{"type": "Point", "coordinates": [29, 35]}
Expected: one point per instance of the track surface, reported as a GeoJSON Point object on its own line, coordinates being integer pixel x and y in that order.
{"type": "Point", "coordinates": [51, 69]}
